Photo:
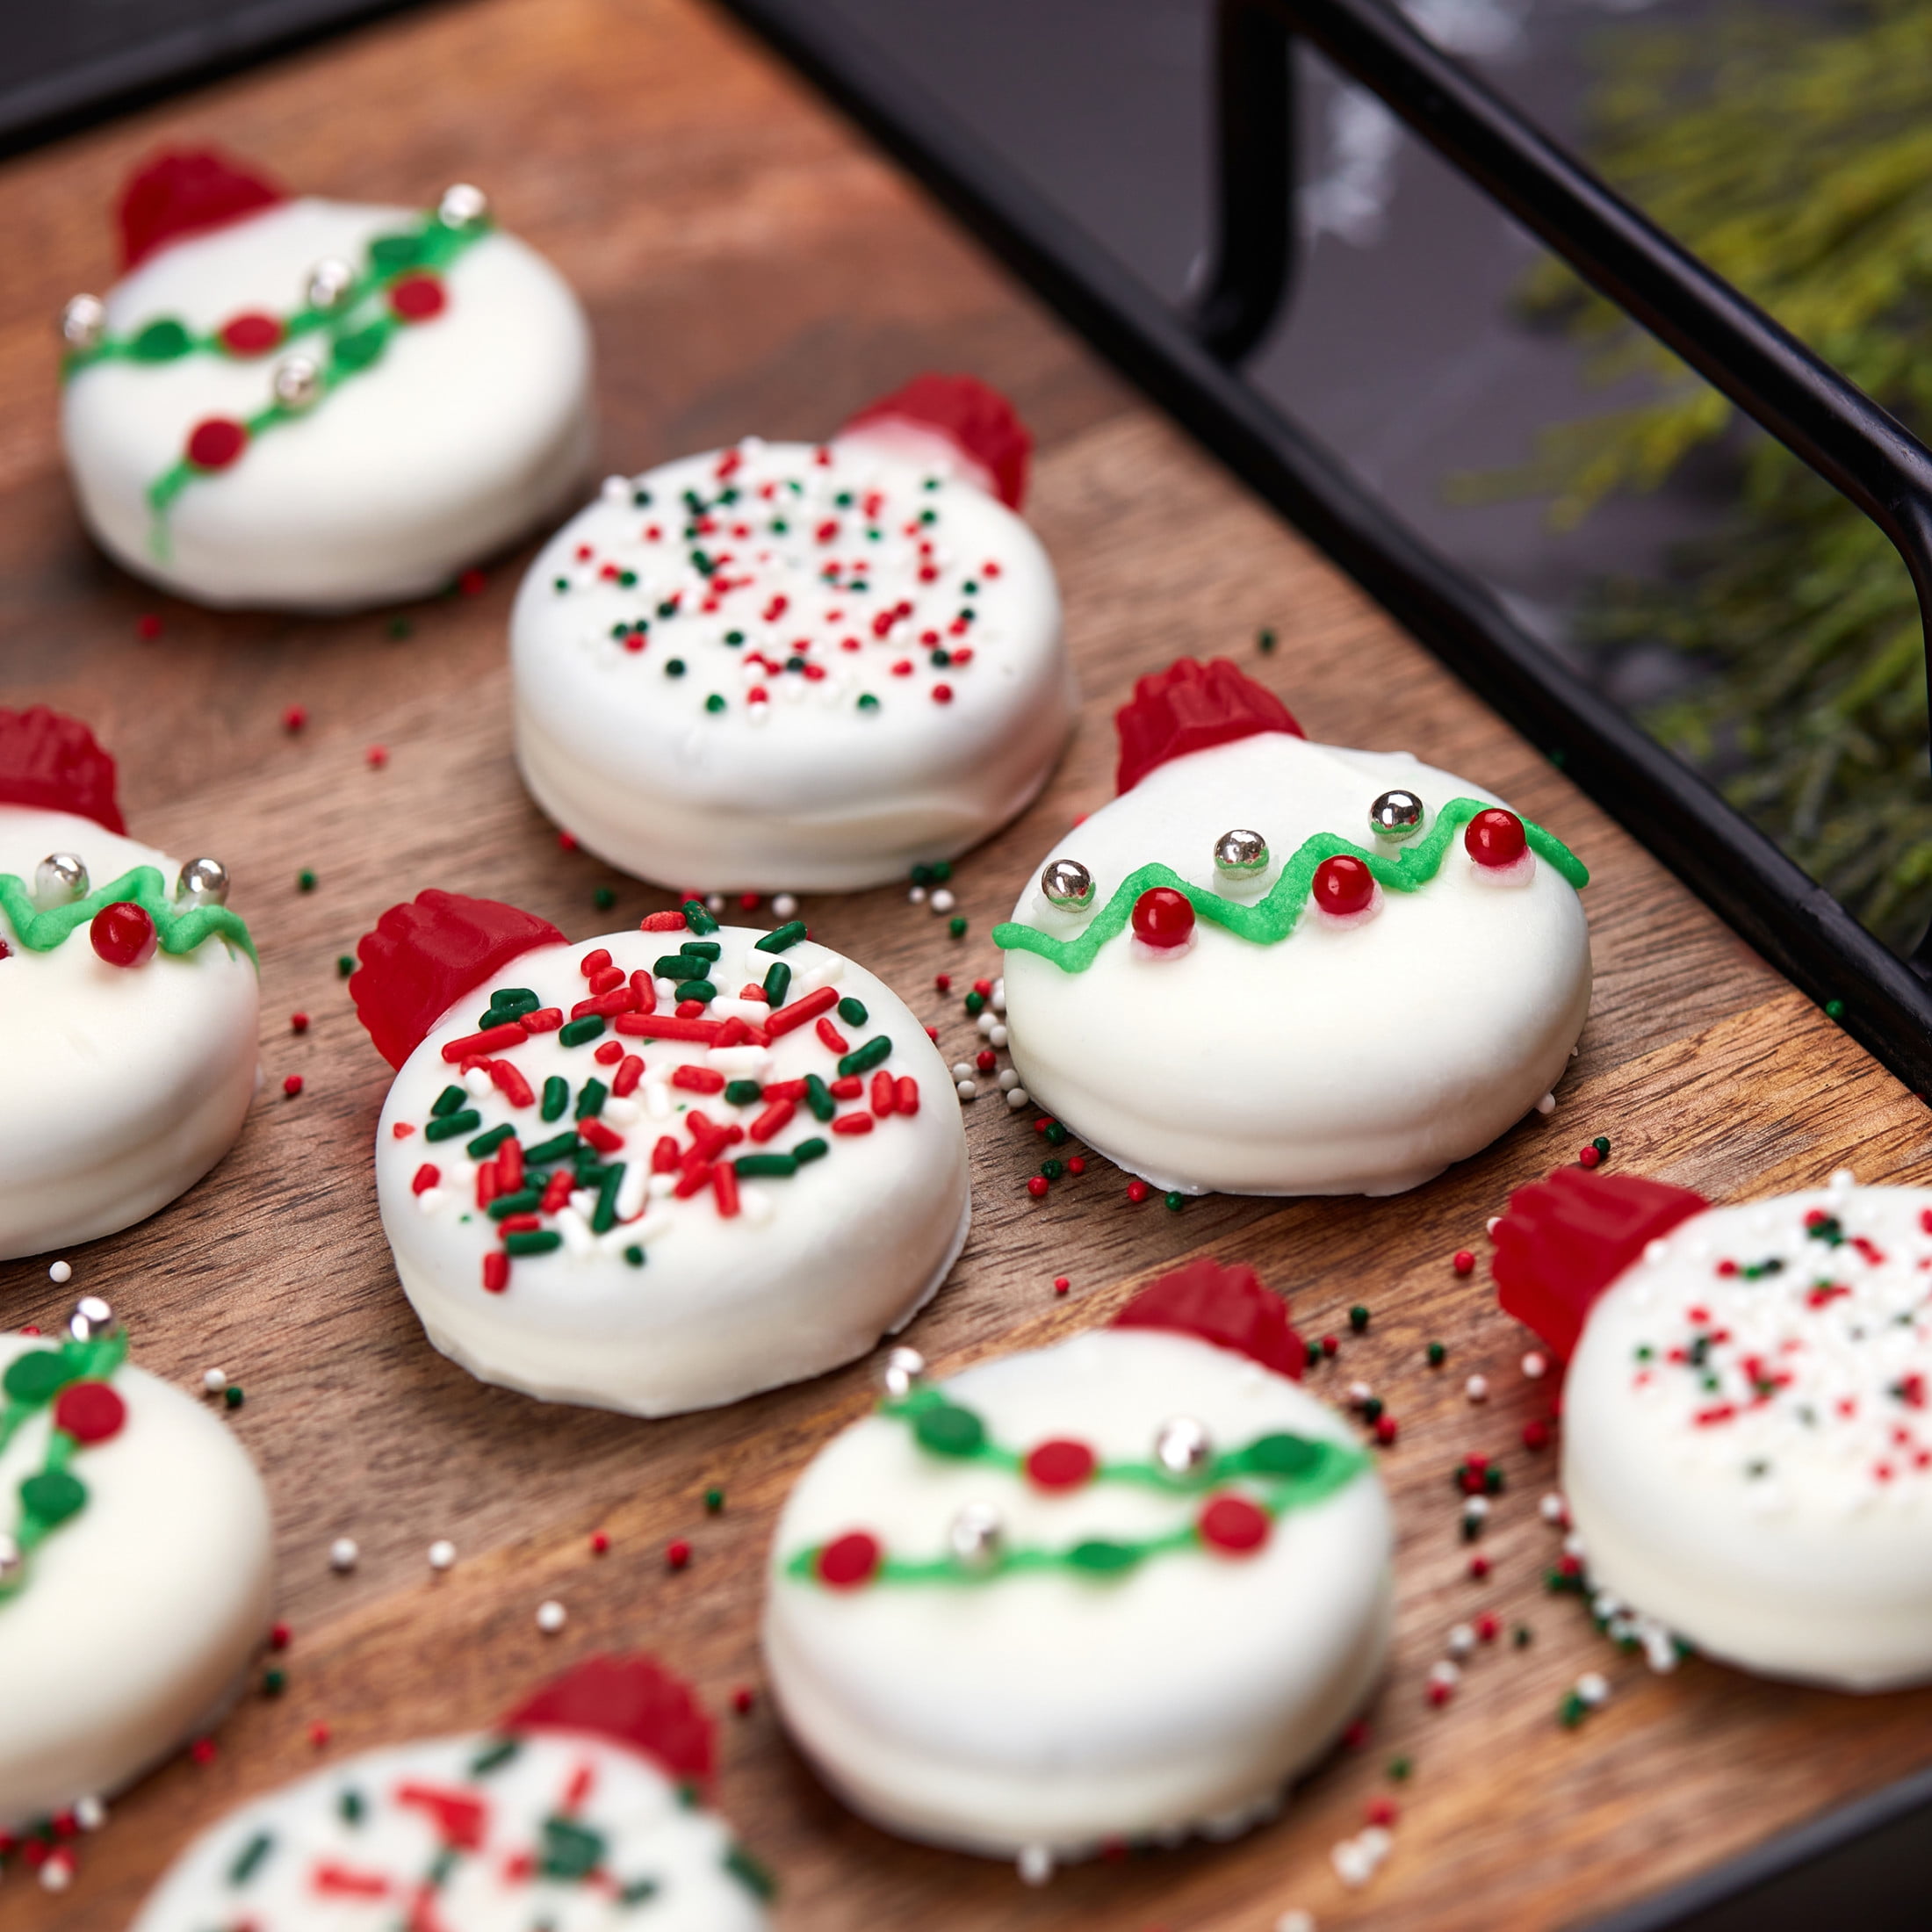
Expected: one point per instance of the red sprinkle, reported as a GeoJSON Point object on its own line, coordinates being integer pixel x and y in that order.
{"type": "Point", "coordinates": [216, 442]}
{"type": "Point", "coordinates": [298, 1022]}
{"type": "Point", "coordinates": [599, 1541]}
{"type": "Point", "coordinates": [848, 1561]}
{"type": "Point", "coordinates": [1463, 1262]}
{"type": "Point", "coordinates": [294, 718]}
{"type": "Point", "coordinates": [1060, 1464]}
{"type": "Point", "coordinates": [491, 1040]}
{"type": "Point", "coordinates": [147, 625]}
{"type": "Point", "coordinates": [698, 1079]}
{"type": "Point", "coordinates": [1163, 918]}
{"type": "Point", "coordinates": [834, 1041]}
{"type": "Point", "coordinates": [292, 1084]}
{"type": "Point", "coordinates": [853, 1123]}
{"type": "Point", "coordinates": [496, 1271]}
{"type": "Point", "coordinates": [426, 1177]}
{"type": "Point", "coordinates": [1495, 838]}
{"type": "Point", "coordinates": [1037, 1187]}
{"type": "Point", "coordinates": [1343, 886]}
{"type": "Point", "coordinates": [677, 1554]}
{"type": "Point", "coordinates": [1137, 1190]}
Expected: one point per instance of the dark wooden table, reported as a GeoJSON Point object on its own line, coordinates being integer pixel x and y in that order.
{"type": "Point", "coordinates": [750, 266]}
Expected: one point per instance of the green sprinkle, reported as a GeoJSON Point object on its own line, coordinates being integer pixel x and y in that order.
{"type": "Point", "coordinates": [449, 1100]}
{"type": "Point", "coordinates": [777, 982]}
{"type": "Point", "coordinates": [485, 1144]}
{"type": "Point", "coordinates": [1056, 1135]}
{"type": "Point", "coordinates": [249, 1863]}
{"type": "Point", "coordinates": [714, 1502]}
{"type": "Point", "coordinates": [956, 926]}
{"type": "Point", "coordinates": [781, 938]}
{"type": "Point", "coordinates": [1175, 1201]}
{"type": "Point", "coordinates": [765, 1166]}
{"type": "Point", "coordinates": [590, 1099]}
{"type": "Point", "coordinates": [863, 1059]}
{"type": "Point", "coordinates": [853, 1012]}
{"type": "Point", "coordinates": [345, 964]}
{"type": "Point", "coordinates": [700, 990]}
{"type": "Point", "coordinates": [698, 918]}
{"type": "Point", "coordinates": [714, 702]}
{"type": "Point", "coordinates": [1437, 1353]}
{"type": "Point", "coordinates": [749, 1872]}
{"type": "Point", "coordinates": [1572, 1711]}
{"type": "Point", "coordinates": [675, 966]}
{"type": "Point", "coordinates": [493, 1757]}
{"type": "Point", "coordinates": [734, 637]}
{"type": "Point", "coordinates": [819, 1097]}
{"type": "Point", "coordinates": [514, 1000]}
{"type": "Point", "coordinates": [452, 1124]}
{"type": "Point", "coordinates": [603, 1218]}
{"type": "Point", "coordinates": [812, 1150]}
{"type": "Point", "coordinates": [976, 1003]}
{"type": "Point", "coordinates": [576, 1033]}
{"type": "Point", "coordinates": [526, 1200]}
{"type": "Point", "coordinates": [234, 1395]}
{"type": "Point", "coordinates": [1315, 1355]}
{"type": "Point", "coordinates": [400, 627]}
{"type": "Point", "coordinates": [556, 1098]}
{"type": "Point", "coordinates": [1602, 1144]}
{"type": "Point", "coordinates": [603, 899]}
{"type": "Point", "coordinates": [1522, 1636]}
{"type": "Point", "coordinates": [1265, 641]}
{"type": "Point", "coordinates": [305, 880]}
{"type": "Point", "coordinates": [742, 1092]}
{"type": "Point", "coordinates": [1052, 1169]}
{"type": "Point", "coordinates": [532, 1241]}
{"type": "Point", "coordinates": [1835, 1009]}
{"type": "Point", "coordinates": [1399, 1769]}
{"type": "Point", "coordinates": [706, 950]}
{"type": "Point", "coordinates": [674, 668]}
{"type": "Point", "coordinates": [1357, 1319]}
{"type": "Point", "coordinates": [634, 1255]}
{"type": "Point", "coordinates": [866, 701]}
{"type": "Point", "coordinates": [350, 1806]}
{"type": "Point", "coordinates": [274, 1682]}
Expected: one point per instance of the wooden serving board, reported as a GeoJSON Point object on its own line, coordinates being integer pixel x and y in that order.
{"type": "Point", "coordinates": [749, 265]}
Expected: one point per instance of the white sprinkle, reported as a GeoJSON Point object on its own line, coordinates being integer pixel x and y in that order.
{"type": "Point", "coordinates": [966, 1090]}
{"type": "Point", "coordinates": [1018, 1098]}
{"type": "Point", "coordinates": [90, 1813]}
{"type": "Point", "coordinates": [213, 1381]}
{"type": "Point", "coordinates": [1295, 1920]}
{"type": "Point", "coordinates": [997, 999]}
{"type": "Point", "coordinates": [1476, 1509]}
{"type": "Point", "coordinates": [1655, 1251]}
{"type": "Point", "coordinates": [1843, 1180]}
{"type": "Point", "coordinates": [1552, 1509]}
{"type": "Point", "coordinates": [963, 1070]}
{"type": "Point", "coordinates": [1377, 1840]}
{"type": "Point", "coordinates": [60, 1273]}
{"type": "Point", "coordinates": [57, 1873]}
{"type": "Point", "coordinates": [714, 902]}
{"type": "Point", "coordinates": [916, 896]}
{"type": "Point", "coordinates": [1359, 1393]}
{"type": "Point", "coordinates": [1490, 1226]}
{"type": "Point", "coordinates": [343, 1553]}
{"type": "Point", "coordinates": [1535, 1366]}
{"type": "Point", "coordinates": [1593, 1688]}
{"type": "Point", "coordinates": [442, 1554]}
{"type": "Point", "coordinates": [996, 1035]}
{"type": "Point", "coordinates": [550, 1616]}
{"type": "Point", "coordinates": [1354, 1866]}
{"type": "Point", "coordinates": [783, 906]}
{"type": "Point", "coordinates": [616, 489]}
{"type": "Point", "coordinates": [1477, 1388]}
{"type": "Point", "coordinates": [1573, 1546]}
{"type": "Point", "coordinates": [756, 1204]}
{"type": "Point", "coordinates": [429, 1200]}
{"type": "Point", "coordinates": [479, 1083]}
{"type": "Point", "coordinates": [1462, 1640]}
{"type": "Point", "coordinates": [1008, 1081]}
{"type": "Point", "coordinates": [1442, 1671]}
{"type": "Point", "coordinates": [942, 901]}
{"type": "Point", "coordinates": [624, 1111]}
{"type": "Point", "coordinates": [1035, 1865]}
{"type": "Point", "coordinates": [1547, 1103]}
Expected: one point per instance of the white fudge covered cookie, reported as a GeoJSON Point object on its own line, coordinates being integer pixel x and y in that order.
{"type": "Point", "coordinates": [658, 1170]}
{"type": "Point", "coordinates": [797, 666]}
{"type": "Point", "coordinates": [317, 405]}
{"type": "Point", "coordinates": [134, 1533]}
{"type": "Point", "coordinates": [1120, 1589]}
{"type": "Point", "coordinates": [579, 1813]}
{"type": "Point", "coordinates": [1747, 1455]}
{"type": "Point", "coordinates": [128, 1001]}
{"type": "Point", "coordinates": [1276, 968]}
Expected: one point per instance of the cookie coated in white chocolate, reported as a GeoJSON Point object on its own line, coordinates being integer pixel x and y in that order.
{"type": "Point", "coordinates": [348, 1849]}
{"type": "Point", "coordinates": [473, 425]}
{"type": "Point", "coordinates": [898, 689]}
{"type": "Point", "coordinates": [1050, 1711]}
{"type": "Point", "coordinates": [1747, 1450]}
{"type": "Point", "coordinates": [122, 1085]}
{"type": "Point", "coordinates": [139, 1616]}
{"type": "Point", "coordinates": [1358, 1056]}
{"type": "Point", "coordinates": [808, 1272]}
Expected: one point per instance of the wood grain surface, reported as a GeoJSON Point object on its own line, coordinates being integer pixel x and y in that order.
{"type": "Point", "coordinates": [749, 265]}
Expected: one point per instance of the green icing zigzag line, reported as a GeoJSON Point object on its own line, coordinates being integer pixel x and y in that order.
{"type": "Point", "coordinates": [1269, 921]}
{"type": "Point", "coordinates": [41, 932]}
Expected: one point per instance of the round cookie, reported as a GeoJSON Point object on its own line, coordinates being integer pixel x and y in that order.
{"type": "Point", "coordinates": [128, 1001]}
{"type": "Point", "coordinates": [578, 1813]}
{"type": "Point", "coordinates": [1276, 968]}
{"type": "Point", "coordinates": [1120, 1589]}
{"type": "Point", "coordinates": [1747, 1457]}
{"type": "Point", "coordinates": [734, 1163]}
{"type": "Point", "coordinates": [134, 1535]}
{"type": "Point", "coordinates": [789, 665]}
{"type": "Point", "coordinates": [310, 404]}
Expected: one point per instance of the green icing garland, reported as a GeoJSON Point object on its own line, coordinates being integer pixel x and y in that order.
{"type": "Point", "coordinates": [41, 931]}
{"type": "Point", "coordinates": [358, 327]}
{"type": "Point", "coordinates": [1271, 919]}
{"type": "Point", "coordinates": [1291, 1471]}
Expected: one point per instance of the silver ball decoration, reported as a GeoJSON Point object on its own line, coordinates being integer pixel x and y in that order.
{"type": "Point", "coordinates": [203, 881]}
{"type": "Point", "coordinates": [83, 322]}
{"type": "Point", "coordinates": [329, 281]}
{"type": "Point", "coordinates": [976, 1537]}
{"type": "Point", "coordinates": [1395, 816]}
{"type": "Point", "coordinates": [59, 879]}
{"type": "Point", "coordinates": [91, 1319]}
{"type": "Point", "coordinates": [904, 1366]}
{"type": "Point", "coordinates": [1069, 885]}
{"type": "Point", "coordinates": [296, 383]}
{"type": "Point", "coordinates": [1240, 854]}
{"type": "Point", "coordinates": [462, 206]}
{"type": "Point", "coordinates": [1183, 1448]}
{"type": "Point", "coordinates": [12, 1561]}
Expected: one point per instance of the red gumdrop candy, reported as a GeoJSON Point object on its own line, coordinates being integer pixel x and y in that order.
{"type": "Point", "coordinates": [424, 956]}
{"type": "Point", "coordinates": [1561, 1242]}
{"type": "Point", "coordinates": [1233, 1525]}
{"type": "Point", "coordinates": [123, 935]}
{"type": "Point", "coordinates": [1191, 707]}
{"type": "Point", "coordinates": [90, 1412]}
{"type": "Point", "coordinates": [1495, 837]}
{"type": "Point", "coordinates": [1060, 1463]}
{"type": "Point", "coordinates": [1344, 885]}
{"type": "Point", "coordinates": [1162, 917]}
{"type": "Point", "coordinates": [186, 193]}
{"type": "Point", "coordinates": [1228, 1307]}
{"type": "Point", "coordinates": [975, 418]}
{"type": "Point", "coordinates": [848, 1561]}
{"type": "Point", "coordinates": [251, 334]}
{"type": "Point", "coordinates": [52, 763]}
{"type": "Point", "coordinates": [633, 1700]}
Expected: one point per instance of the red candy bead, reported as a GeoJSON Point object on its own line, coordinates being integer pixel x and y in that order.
{"type": "Point", "coordinates": [215, 443]}
{"type": "Point", "coordinates": [1060, 1464]}
{"type": "Point", "coordinates": [1037, 1187]}
{"type": "Point", "coordinates": [1163, 918]}
{"type": "Point", "coordinates": [123, 935]}
{"type": "Point", "coordinates": [1234, 1525]}
{"type": "Point", "coordinates": [90, 1411]}
{"type": "Point", "coordinates": [1344, 885]}
{"type": "Point", "coordinates": [417, 298]}
{"type": "Point", "coordinates": [848, 1561]}
{"type": "Point", "coordinates": [250, 334]}
{"type": "Point", "coordinates": [1495, 838]}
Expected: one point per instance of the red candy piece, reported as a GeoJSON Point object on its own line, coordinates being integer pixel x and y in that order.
{"type": "Point", "coordinates": [633, 1700]}
{"type": "Point", "coordinates": [848, 1561]}
{"type": "Point", "coordinates": [978, 420]}
{"type": "Point", "coordinates": [251, 335]}
{"type": "Point", "coordinates": [90, 1411]}
{"type": "Point", "coordinates": [1233, 1525]}
{"type": "Point", "coordinates": [1060, 1464]}
{"type": "Point", "coordinates": [1228, 1307]}
{"type": "Point", "coordinates": [1561, 1242]}
{"type": "Point", "coordinates": [52, 763]}
{"type": "Point", "coordinates": [424, 956]}
{"type": "Point", "coordinates": [216, 442]}
{"type": "Point", "coordinates": [186, 193]}
{"type": "Point", "coordinates": [1163, 918]}
{"type": "Point", "coordinates": [1344, 885]}
{"type": "Point", "coordinates": [123, 935]}
{"type": "Point", "coordinates": [1192, 707]}
{"type": "Point", "coordinates": [1495, 837]}
{"type": "Point", "coordinates": [417, 298]}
